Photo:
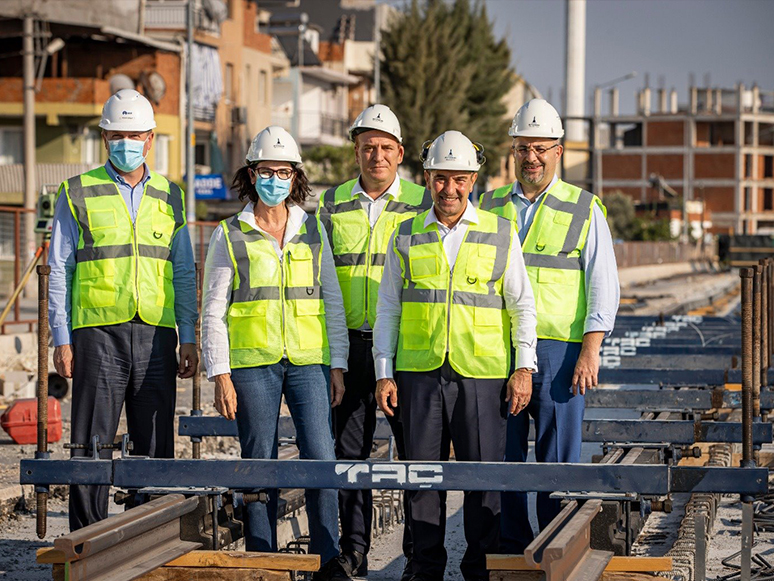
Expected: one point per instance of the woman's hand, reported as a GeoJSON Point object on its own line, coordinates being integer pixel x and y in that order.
{"type": "Point", "coordinates": [337, 386]}
{"type": "Point", "coordinates": [225, 396]}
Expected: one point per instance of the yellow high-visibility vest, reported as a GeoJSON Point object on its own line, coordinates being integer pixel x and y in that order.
{"type": "Point", "coordinates": [358, 252]}
{"type": "Point", "coordinates": [460, 311]}
{"type": "Point", "coordinates": [276, 306]}
{"type": "Point", "coordinates": [123, 268]}
{"type": "Point", "coordinates": [552, 254]}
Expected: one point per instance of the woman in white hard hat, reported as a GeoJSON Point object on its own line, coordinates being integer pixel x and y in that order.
{"type": "Point", "coordinates": [274, 325]}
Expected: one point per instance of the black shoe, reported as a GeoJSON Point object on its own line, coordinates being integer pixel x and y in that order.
{"type": "Point", "coordinates": [329, 571]}
{"type": "Point", "coordinates": [347, 565]}
{"type": "Point", "coordinates": [406, 575]}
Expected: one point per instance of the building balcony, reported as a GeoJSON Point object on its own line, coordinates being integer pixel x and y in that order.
{"type": "Point", "coordinates": [315, 128]}
{"type": "Point", "coordinates": [173, 14]}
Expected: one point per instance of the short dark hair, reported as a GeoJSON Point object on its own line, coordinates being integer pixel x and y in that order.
{"type": "Point", "coordinates": [299, 191]}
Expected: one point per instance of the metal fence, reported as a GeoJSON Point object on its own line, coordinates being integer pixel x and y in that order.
{"type": "Point", "coordinates": [643, 253]}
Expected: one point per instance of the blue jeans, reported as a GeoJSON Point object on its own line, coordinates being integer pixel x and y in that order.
{"type": "Point", "coordinates": [558, 418]}
{"type": "Point", "coordinates": [259, 394]}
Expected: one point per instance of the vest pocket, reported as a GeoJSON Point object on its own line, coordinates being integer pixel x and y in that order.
{"type": "Point", "coordinates": [163, 223]}
{"type": "Point", "coordinates": [349, 233]}
{"type": "Point", "coordinates": [414, 326]}
{"type": "Point", "coordinates": [480, 263]}
{"type": "Point", "coordinates": [96, 280]}
{"type": "Point", "coordinates": [309, 321]}
{"type": "Point", "coordinates": [300, 267]}
{"type": "Point", "coordinates": [166, 291]}
{"type": "Point", "coordinates": [101, 219]}
{"type": "Point", "coordinates": [555, 293]}
{"type": "Point", "coordinates": [247, 326]}
{"type": "Point", "coordinates": [488, 332]}
{"type": "Point", "coordinates": [423, 266]}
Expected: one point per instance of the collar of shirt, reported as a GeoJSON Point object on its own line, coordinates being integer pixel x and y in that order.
{"type": "Point", "coordinates": [391, 191]}
{"type": "Point", "coordinates": [296, 218]}
{"type": "Point", "coordinates": [119, 179]}
{"type": "Point", "coordinates": [470, 215]}
{"type": "Point", "coordinates": [518, 193]}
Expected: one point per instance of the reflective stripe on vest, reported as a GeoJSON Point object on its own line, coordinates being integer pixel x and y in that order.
{"type": "Point", "coordinates": [276, 306]}
{"type": "Point", "coordinates": [461, 312]}
{"type": "Point", "coordinates": [359, 252]}
{"type": "Point", "coordinates": [123, 268]}
{"type": "Point", "coordinates": [499, 202]}
{"type": "Point", "coordinates": [552, 254]}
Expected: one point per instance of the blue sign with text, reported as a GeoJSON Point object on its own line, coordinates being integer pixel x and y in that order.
{"type": "Point", "coordinates": [210, 187]}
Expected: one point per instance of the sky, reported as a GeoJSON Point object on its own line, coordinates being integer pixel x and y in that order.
{"type": "Point", "coordinates": [730, 40]}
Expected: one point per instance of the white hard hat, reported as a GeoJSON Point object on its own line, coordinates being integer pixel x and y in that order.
{"type": "Point", "coordinates": [537, 118]}
{"type": "Point", "coordinates": [273, 144]}
{"type": "Point", "coordinates": [127, 110]}
{"type": "Point", "coordinates": [453, 151]}
{"type": "Point", "coordinates": [379, 117]}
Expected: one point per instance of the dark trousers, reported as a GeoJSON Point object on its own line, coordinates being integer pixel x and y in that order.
{"type": "Point", "coordinates": [558, 419]}
{"type": "Point", "coordinates": [132, 363]}
{"type": "Point", "coordinates": [440, 407]}
{"type": "Point", "coordinates": [354, 421]}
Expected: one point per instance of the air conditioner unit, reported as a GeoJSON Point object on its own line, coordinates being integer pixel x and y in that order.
{"type": "Point", "coordinates": [239, 115]}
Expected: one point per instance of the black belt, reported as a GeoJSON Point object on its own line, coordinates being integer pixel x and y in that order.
{"type": "Point", "coordinates": [363, 334]}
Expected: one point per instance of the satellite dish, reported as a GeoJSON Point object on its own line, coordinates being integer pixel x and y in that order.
{"type": "Point", "coordinates": [154, 86]}
{"type": "Point", "coordinates": [120, 81]}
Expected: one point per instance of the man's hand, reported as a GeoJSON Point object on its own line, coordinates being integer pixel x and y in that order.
{"type": "Point", "coordinates": [225, 396]}
{"type": "Point", "coordinates": [519, 390]}
{"type": "Point", "coordinates": [63, 360]}
{"type": "Point", "coordinates": [387, 395]}
{"type": "Point", "coordinates": [189, 361]}
{"type": "Point", "coordinates": [337, 386]}
{"type": "Point", "coordinates": [587, 368]}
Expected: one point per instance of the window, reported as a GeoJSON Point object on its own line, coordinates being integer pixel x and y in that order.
{"type": "Point", "coordinates": [11, 145]}
{"type": "Point", "coordinates": [768, 199]}
{"type": "Point", "coordinates": [91, 147]}
{"type": "Point", "coordinates": [228, 82]}
{"type": "Point", "coordinates": [768, 166]}
{"type": "Point", "coordinates": [715, 133]}
{"type": "Point", "coordinates": [262, 86]}
{"type": "Point", "coordinates": [161, 156]}
{"type": "Point", "coordinates": [247, 85]}
{"type": "Point", "coordinates": [748, 166]}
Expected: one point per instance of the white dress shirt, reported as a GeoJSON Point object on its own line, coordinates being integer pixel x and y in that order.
{"type": "Point", "coordinates": [517, 294]}
{"type": "Point", "coordinates": [218, 283]}
{"type": "Point", "coordinates": [598, 257]}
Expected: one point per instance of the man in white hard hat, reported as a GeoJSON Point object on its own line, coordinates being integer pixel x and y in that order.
{"type": "Point", "coordinates": [360, 216]}
{"type": "Point", "coordinates": [569, 255]}
{"type": "Point", "coordinates": [122, 278]}
{"type": "Point", "coordinates": [453, 297]}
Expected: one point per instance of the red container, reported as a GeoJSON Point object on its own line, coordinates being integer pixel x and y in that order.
{"type": "Point", "coordinates": [20, 420]}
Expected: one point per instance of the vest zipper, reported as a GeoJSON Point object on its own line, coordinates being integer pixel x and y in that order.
{"type": "Point", "coordinates": [283, 262]}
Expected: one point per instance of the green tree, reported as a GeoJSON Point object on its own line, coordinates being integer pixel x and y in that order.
{"type": "Point", "coordinates": [443, 69]}
{"type": "Point", "coordinates": [329, 164]}
{"type": "Point", "coordinates": [620, 214]}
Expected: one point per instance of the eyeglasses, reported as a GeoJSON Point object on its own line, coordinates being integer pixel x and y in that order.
{"type": "Point", "coordinates": [267, 173]}
{"type": "Point", "coordinates": [540, 151]}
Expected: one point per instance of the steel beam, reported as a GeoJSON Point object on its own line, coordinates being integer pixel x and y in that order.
{"type": "Point", "coordinates": [562, 549]}
{"type": "Point", "coordinates": [243, 474]}
{"type": "Point", "coordinates": [644, 431]}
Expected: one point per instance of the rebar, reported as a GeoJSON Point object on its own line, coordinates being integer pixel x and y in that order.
{"type": "Point", "coordinates": [196, 404]}
{"type": "Point", "coordinates": [747, 275]}
{"type": "Point", "coordinates": [42, 391]}
{"type": "Point", "coordinates": [756, 342]}
{"type": "Point", "coordinates": [765, 355]}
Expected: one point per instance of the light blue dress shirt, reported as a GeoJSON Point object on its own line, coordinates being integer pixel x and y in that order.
{"type": "Point", "coordinates": [61, 258]}
{"type": "Point", "coordinates": [602, 289]}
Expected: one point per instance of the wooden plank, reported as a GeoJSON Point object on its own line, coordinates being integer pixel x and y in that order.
{"type": "Point", "coordinates": [220, 559]}
{"type": "Point", "coordinates": [245, 560]}
{"type": "Point", "coordinates": [616, 564]}
{"type": "Point", "coordinates": [213, 574]}
{"type": "Point", "coordinates": [50, 555]}
{"type": "Point", "coordinates": [540, 576]}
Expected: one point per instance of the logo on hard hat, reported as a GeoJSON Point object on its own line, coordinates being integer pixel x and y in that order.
{"type": "Point", "coordinates": [451, 156]}
{"type": "Point", "coordinates": [127, 113]}
{"type": "Point", "coordinates": [379, 118]}
{"type": "Point", "coordinates": [534, 123]}
{"type": "Point", "coordinates": [279, 145]}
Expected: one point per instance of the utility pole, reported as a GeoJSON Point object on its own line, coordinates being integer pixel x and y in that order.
{"type": "Point", "coordinates": [190, 195]}
{"type": "Point", "coordinates": [377, 51]}
{"type": "Point", "coordinates": [298, 84]}
{"type": "Point", "coordinates": [30, 195]}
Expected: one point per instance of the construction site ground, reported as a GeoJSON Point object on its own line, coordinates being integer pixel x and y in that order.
{"type": "Point", "coordinates": [667, 289]}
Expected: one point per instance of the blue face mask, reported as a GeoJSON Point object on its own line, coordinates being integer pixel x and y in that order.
{"type": "Point", "coordinates": [272, 191]}
{"type": "Point", "coordinates": [126, 154]}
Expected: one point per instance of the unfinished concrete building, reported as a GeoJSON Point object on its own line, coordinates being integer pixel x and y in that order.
{"type": "Point", "coordinates": [719, 150]}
